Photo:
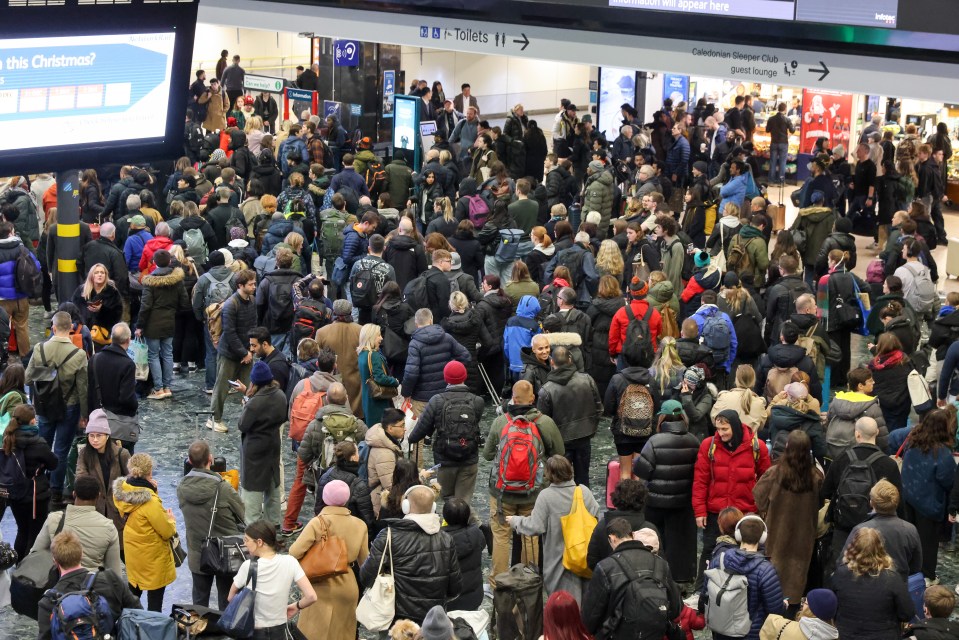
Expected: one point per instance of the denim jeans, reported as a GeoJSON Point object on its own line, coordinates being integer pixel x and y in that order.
{"type": "Point", "coordinates": [160, 354]}
{"type": "Point", "coordinates": [777, 161]}
{"type": "Point", "coordinates": [59, 435]}
{"type": "Point", "coordinates": [209, 362]}
{"type": "Point", "coordinates": [281, 341]}
{"type": "Point", "coordinates": [493, 266]}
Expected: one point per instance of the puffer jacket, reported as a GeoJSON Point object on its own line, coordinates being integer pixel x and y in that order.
{"type": "Point", "coordinates": [494, 310]}
{"type": "Point", "coordinates": [786, 356]}
{"type": "Point", "coordinates": [943, 332]}
{"type": "Point", "coordinates": [37, 458]}
{"type": "Point", "coordinates": [783, 418]}
{"type": "Point", "coordinates": [425, 566]}
{"type": "Point", "coordinates": [927, 479]}
{"type": "Point", "coordinates": [163, 296]}
{"type": "Point", "coordinates": [702, 280]}
{"type": "Point", "coordinates": [836, 240]}
{"type": "Point", "coordinates": [702, 315]}
{"type": "Point", "coordinates": [275, 234]}
{"type": "Point", "coordinates": [25, 225]}
{"type": "Point", "coordinates": [469, 543]}
{"type": "Point", "coordinates": [697, 406]}
{"type": "Point", "coordinates": [599, 547]}
{"type": "Point", "coordinates": [520, 330]}
{"type": "Point", "coordinates": [764, 593]}
{"type": "Point", "coordinates": [432, 422]}
{"type": "Point", "coordinates": [934, 629]}
{"type": "Point", "coordinates": [601, 312]}
{"type": "Point", "coordinates": [133, 248]}
{"type": "Point", "coordinates": [238, 318]}
{"type": "Point", "coordinates": [534, 371]}
{"type": "Point", "coordinates": [384, 452]}
{"type": "Point", "coordinates": [817, 223]}
{"type": "Point", "coordinates": [663, 293]}
{"type": "Point", "coordinates": [9, 252]}
{"type": "Point", "coordinates": [152, 246]}
{"type": "Point", "coordinates": [360, 504]}
{"type": "Point", "coordinates": [598, 196]}
{"type": "Point", "coordinates": [196, 493]}
{"type": "Point", "coordinates": [844, 410]}
{"type": "Point", "coordinates": [146, 535]}
{"type": "Point", "coordinates": [560, 187]}
{"type": "Point", "coordinates": [408, 258]}
{"type": "Point", "coordinates": [667, 464]}
{"type": "Point", "coordinates": [726, 478]}
{"type": "Point", "coordinates": [469, 330]}
{"type": "Point", "coordinates": [891, 374]}
{"type": "Point", "coordinates": [196, 222]}
{"type": "Point", "coordinates": [430, 350]}
{"type": "Point", "coordinates": [572, 400]}
{"type": "Point", "coordinates": [692, 352]}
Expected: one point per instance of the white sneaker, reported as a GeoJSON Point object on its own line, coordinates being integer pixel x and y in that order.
{"type": "Point", "coordinates": [176, 367]}
{"type": "Point", "coordinates": [693, 601]}
{"type": "Point", "coordinates": [191, 366]}
{"type": "Point", "coordinates": [210, 423]}
{"type": "Point", "coordinates": [220, 427]}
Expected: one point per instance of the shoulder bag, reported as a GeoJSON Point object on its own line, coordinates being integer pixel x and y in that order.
{"type": "Point", "coordinates": [378, 605]}
{"type": "Point", "coordinates": [327, 556]}
{"type": "Point", "coordinates": [123, 428]}
{"type": "Point", "coordinates": [221, 556]}
{"type": "Point", "coordinates": [239, 616]}
{"type": "Point", "coordinates": [379, 391]}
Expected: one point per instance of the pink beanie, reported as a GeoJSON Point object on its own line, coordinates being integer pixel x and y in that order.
{"type": "Point", "coordinates": [336, 493]}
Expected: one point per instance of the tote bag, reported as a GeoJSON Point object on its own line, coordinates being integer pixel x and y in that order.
{"type": "Point", "coordinates": [378, 605]}
{"type": "Point", "coordinates": [239, 616]}
{"type": "Point", "coordinates": [577, 527]}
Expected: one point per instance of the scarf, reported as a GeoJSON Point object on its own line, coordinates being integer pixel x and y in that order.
{"type": "Point", "coordinates": [888, 360]}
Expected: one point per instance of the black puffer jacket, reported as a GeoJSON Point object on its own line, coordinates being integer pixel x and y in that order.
{"type": "Point", "coordinates": [667, 464]}
{"type": "Point", "coordinates": [469, 543]}
{"type": "Point", "coordinates": [786, 356]}
{"type": "Point", "coordinates": [601, 312]}
{"type": "Point", "coordinates": [470, 251]}
{"type": "Point", "coordinates": [360, 504]}
{"type": "Point", "coordinates": [495, 309]}
{"type": "Point", "coordinates": [572, 400]}
{"type": "Point", "coordinates": [836, 240]}
{"type": "Point", "coordinates": [37, 457]}
{"type": "Point", "coordinates": [425, 567]}
{"type": "Point", "coordinates": [163, 296]}
{"type": "Point", "coordinates": [430, 350]}
{"type": "Point", "coordinates": [408, 258]}
{"type": "Point", "coordinates": [944, 331]}
{"type": "Point", "coordinates": [692, 352]}
{"type": "Point", "coordinates": [468, 329]}
{"type": "Point", "coordinates": [783, 418]}
{"type": "Point", "coordinates": [196, 222]}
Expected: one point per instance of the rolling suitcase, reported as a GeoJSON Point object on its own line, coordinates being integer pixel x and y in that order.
{"type": "Point", "coordinates": [518, 604]}
{"type": "Point", "coordinates": [612, 479]}
{"type": "Point", "coordinates": [952, 258]}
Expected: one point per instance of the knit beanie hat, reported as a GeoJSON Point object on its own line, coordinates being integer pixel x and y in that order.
{"type": "Point", "coordinates": [454, 372]}
{"type": "Point", "coordinates": [215, 260]}
{"type": "Point", "coordinates": [237, 233]}
{"type": "Point", "coordinates": [796, 391]}
{"type": "Point", "coordinates": [700, 166]}
{"type": "Point", "coordinates": [227, 257]}
{"type": "Point", "coordinates": [436, 625]}
{"type": "Point", "coordinates": [336, 493]}
{"type": "Point", "coordinates": [596, 166]}
{"type": "Point", "coordinates": [97, 423]}
{"type": "Point", "coordinates": [701, 259]}
{"type": "Point", "coordinates": [731, 280]}
{"type": "Point", "coordinates": [638, 288]}
{"type": "Point", "coordinates": [261, 374]}
{"type": "Point", "coordinates": [823, 604]}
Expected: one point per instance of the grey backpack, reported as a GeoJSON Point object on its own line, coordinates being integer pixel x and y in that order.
{"type": "Point", "coordinates": [727, 611]}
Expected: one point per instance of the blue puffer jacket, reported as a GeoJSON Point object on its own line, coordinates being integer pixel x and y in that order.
{"type": "Point", "coordinates": [764, 592]}
{"type": "Point", "coordinates": [520, 330]}
{"type": "Point", "coordinates": [275, 234]}
{"type": "Point", "coordinates": [927, 480]}
{"type": "Point", "coordinates": [354, 246]}
{"type": "Point", "coordinates": [292, 142]}
{"type": "Point", "coordinates": [733, 191]}
{"type": "Point", "coordinates": [430, 349]}
{"type": "Point", "coordinates": [9, 252]}
{"type": "Point", "coordinates": [133, 249]}
{"type": "Point", "coordinates": [708, 311]}
{"type": "Point", "coordinates": [349, 178]}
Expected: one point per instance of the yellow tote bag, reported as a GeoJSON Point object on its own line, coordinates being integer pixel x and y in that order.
{"type": "Point", "coordinates": [578, 527]}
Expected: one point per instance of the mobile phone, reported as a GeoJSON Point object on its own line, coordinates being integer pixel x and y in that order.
{"type": "Point", "coordinates": [435, 467]}
{"type": "Point", "coordinates": [233, 383]}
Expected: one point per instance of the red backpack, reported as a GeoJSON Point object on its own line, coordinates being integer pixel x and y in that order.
{"type": "Point", "coordinates": [304, 408]}
{"type": "Point", "coordinates": [518, 468]}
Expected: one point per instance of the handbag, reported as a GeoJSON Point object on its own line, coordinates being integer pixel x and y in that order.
{"type": "Point", "coordinates": [719, 260]}
{"type": "Point", "coordinates": [238, 618]}
{"type": "Point", "coordinates": [179, 555]}
{"type": "Point", "coordinates": [221, 556]}
{"type": "Point", "coordinates": [379, 391]}
{"type": "Point", "coordinates": [641, 269]}
{"type": "Point", "coordinates": [100, 334]}
{"type": "Point", "coordinates": [577, 527]}
{"type": "Point", "coordinates": [377, 607]}
{"type": "Point", "coordinates": [326, 557]}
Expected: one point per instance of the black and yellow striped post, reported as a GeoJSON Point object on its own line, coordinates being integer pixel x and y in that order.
{"type": "Point", "coordinates": [68, 234]}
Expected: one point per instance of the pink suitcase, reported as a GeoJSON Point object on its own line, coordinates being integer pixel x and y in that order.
{"type": "Point", "coordinates": [612, 479]}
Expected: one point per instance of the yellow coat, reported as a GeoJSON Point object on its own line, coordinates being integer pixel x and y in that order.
{"type": "Point", "coordinates": [146, 536]}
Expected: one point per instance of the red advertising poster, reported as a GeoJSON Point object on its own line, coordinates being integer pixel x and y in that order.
{"type": "Point", "coordinates": [825, 114]}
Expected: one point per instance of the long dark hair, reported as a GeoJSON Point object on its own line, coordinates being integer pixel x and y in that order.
{"type": "Point", "coordinates": [492, 280]}
{"type": "Point", "coordinates": [391, 291]}
{"type": "Point", "coordinates": [14, 378]}
{"type": "Point", "coordinates": [405, 475]}
{"type": "Point", "coordinates": [932, 432]}
{"type": "Point", "coordinates": [796, 463]}
{"type": "Point", "coordinates": [22, 415]}
{"type": "Point", "coordinates": [90, 457]}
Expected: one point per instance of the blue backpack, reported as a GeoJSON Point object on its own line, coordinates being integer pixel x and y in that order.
{"type": "Point", "coordinates": [80, 615]}
{"type": "Point", "coordinates": [364, 448]}
{"type": "Point", "coordinates": [508, 247]}
{"type": "Point", "coordinates": [717, 337]}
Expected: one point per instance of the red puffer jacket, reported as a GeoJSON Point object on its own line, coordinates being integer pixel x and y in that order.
{"type": "Point", "coordinates": [728, 479]}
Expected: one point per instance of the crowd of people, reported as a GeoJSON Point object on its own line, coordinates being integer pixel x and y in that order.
{"type": "Point", "coordinates": [759, 391]}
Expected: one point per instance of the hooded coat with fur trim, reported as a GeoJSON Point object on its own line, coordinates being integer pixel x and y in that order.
{"type": "Point", "coordinates": [146, 536]}
{"type": "Point", "coordinates": [164, 295]}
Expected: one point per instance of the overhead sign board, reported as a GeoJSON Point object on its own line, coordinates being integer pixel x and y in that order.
{"type": "Point", "coordinates": [263, 83]}
{"type": "Point", "coordinates": [346, 53]}
{"type": "Point", "coordinates": [842, 72]}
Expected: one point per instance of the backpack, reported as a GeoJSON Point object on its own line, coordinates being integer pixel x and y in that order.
{"type": "Point", "coordinates": [310, 316]}
{"type": "Point", "coordinates": [363, 448]}
{"type": "Point", "coordinates": [218, 291]}
{"type": "Point", "coordinates": [717, 337]}
{"type": "Point", "coordinates": [415, 294]}
{"type": "Point", "coordinates": [845, 310]}
{"type": "Point", "coordinates": [48, 398]}
{"type": "Point", "coordinates": [920, 292]}
{"type": "Point", "coordinates": [876, 271]}
{"type": "Point", "coordinates": [638, 346]}
{"type": "Point", "coordinates": [363, 286]}
{"type": "Point", "coordinates": [478, 210]}
{"type": "Point", "coordinates": [809, 342]}
{"type": "Point", "coordinates": [737, 257]}
{"type": "Point", "coordinates": [80, 615]}
{"type": "Point", "coordinates": [518, 603]}
{"type": "Point", "coordinates": [851, 505]}
{"type": "Point", "coordinates": [508, 247]}
{"type": "Point", "coordinates": [636, 412]}
{"type": "Point", "coordinates": [196, 246]}
{"type": "Point", "coordinates": [303, 410]}
{"type": "Point", "coordinates": [642, 605]}
{"type": "Point", "coordinates": [375, 178]}
{"type": "Point", "coordinates": [332, 224]}
{"type": "Point", "coordinates": [29, 278]}
{"type": "Point", "coordinates": [749, 337]}
{"type": "Point", "coordinates": [297, 372]}
{"type": "Point", "coordinates": [14, 484]}
{"type": "Point", "coordinates": [458, 439]}
{"type": "Point", "coordinates": [280, 309]}
{"type": "Point", "coordinates": [670, 326]}
{"type": "Point", "coordinates": [777, 379]}
{"type": "Point", "coordinates": [572, 260]}
{"type": "Point", "coordinates": [335, 428]}
{"type": "Point", "coordinates": [518, 467]}
{"type": "Point", "coordinates": [139, 624]}
{"type": "Point", "coordinates": [548, 303]}
{"type": "Point", "coordinates": [214, 321]}
{"type": "Point", "coordinates": [727, 610]}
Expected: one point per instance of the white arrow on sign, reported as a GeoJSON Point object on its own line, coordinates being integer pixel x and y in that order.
{"type": "Point", "coordinates": [840, 72]}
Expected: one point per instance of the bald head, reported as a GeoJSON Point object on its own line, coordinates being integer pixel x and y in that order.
{"type": "Point", "coordinates": [405, 227]}
{"type": "Point", "coordinates": [561, 357]}
{"type": "Point", "coordinates": [866, 430]}
{"type": "Point", "coordinates": [336, 393]}
{"type": "Point", "coordinates": [421, 499]}
{"type": "Point", "coordinates": [806, 303]}
{"type": "Point", "coordinates": [432, 155]}
{"type": "Point", "coordinates": [523, 393]}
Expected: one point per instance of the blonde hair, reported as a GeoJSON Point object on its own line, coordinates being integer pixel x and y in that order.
{"type": "Point", "coordinates": [295, 241]}
{"type": "Point", "coordinates": [458, 302]}
{"type": "Point", "coordinates": [609, 258]}
{"type": "Point", "coordinates": [746, 380]}
{"type": "Point", "coordinates": [446, 206]}
{"type": "Point", "coordinates": [368, 335]}
{"type": "Point", "coordinates": [735, 298]}
{"type": "Point", "coordinates": [140, 465]}
{"type": "Point", "coordinates": [558, 210]}
{"type": "Point", "coordinates": [666, 362]}
{"type": "Point", "coordinates": [884, 497]}
{"type": "Point", "coordinates": [731, 210]}
{"type": "Point", "coordinates": [253, 123]}
{"type": "Point", "coordinates": [88, 284]}
{"type": "Point", "coordinates": [866, 554]}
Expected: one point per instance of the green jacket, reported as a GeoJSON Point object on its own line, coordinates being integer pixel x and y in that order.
{"type": "Point", "coordinates": [363, 158]}
{"type": "Point", "coordinates": [72, 375]}
{"type": "Point", "coordinates": [399, 181]}
{"type": "Point", "coordinates": [755, 244]}
{"type": "Point", "coordinates": [662, 293]}
{"type": "Point", "coordinates": [599, 197]}
{"type": "Point", "coordinates": [817, 222]}
{"type": "Point", "coordinates": [548, 432]}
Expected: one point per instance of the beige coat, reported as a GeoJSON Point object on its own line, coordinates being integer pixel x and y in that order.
{"type": "Point", "coordinates": [105, 501]}
{"type": "Point", "coordinates": [216, 113]}
{"type": "Point", "coordinates": [733, 399]}
{"type": "Point", "coordinates": [382, 461]}
{"type": "Point", "coordinates": [344, 338]}
{"type": "Point", "coordinates": [333, 616]}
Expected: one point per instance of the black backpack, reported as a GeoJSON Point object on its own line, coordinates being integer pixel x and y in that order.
{"type": "Point", "coordinates": [638, 346]}
{"type": "Point", "coordinates": [748, 336]}
{"type": "Point", "coordinates": [548, 301]}
{"type": "Point", "coordinates": [415, 294]}
{"type": "Point", "coordinates": [363, 287]}
{"type": "Point", "coordinates": [572, 260]}
{"type": "Point", "coordinates": [280, 309]}
{"type": "Point", "coordinates": [643, 605]}
{"type": "Point", "coordinates": [457, 441]}
{"type": "Point", "coordinates": [308, 317]}
{"type": "Point", "coordinates": [852, 497]}
{"type": "Point", "coordinates": [29, 278]}
{"type": "Point", "coordinates": [48, 398]}
{"type": "Point", "coordinates": [14, 483]}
